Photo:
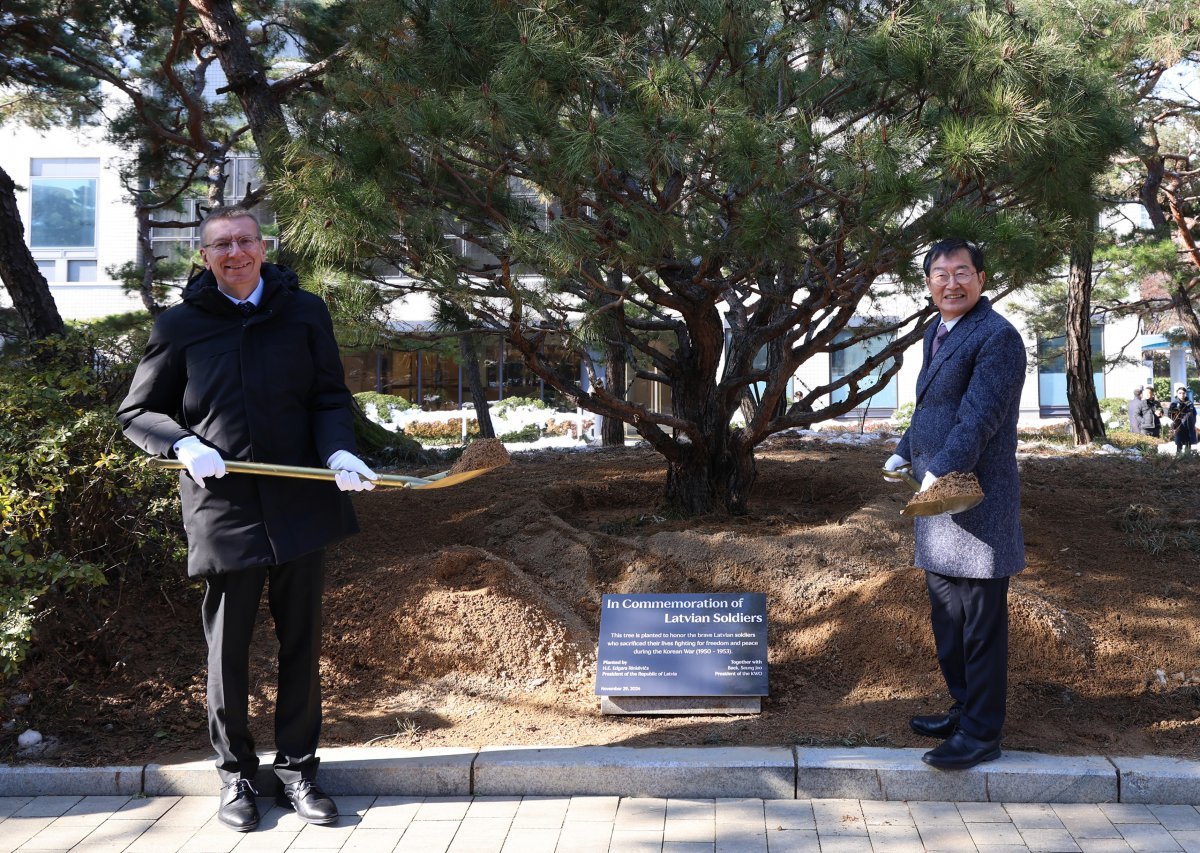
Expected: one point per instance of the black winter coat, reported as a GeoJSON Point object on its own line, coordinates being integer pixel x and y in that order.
{"type": "Point", "coordinates": [263, 388]}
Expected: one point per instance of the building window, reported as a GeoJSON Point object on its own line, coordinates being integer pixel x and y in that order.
{"type": "Point", "coordinates": [63, 202]}
{"type": "Point", "coordinates": [81, 270]}
{"type": "Point", "coordinates": [49, 270]}
{"type": "Point", "coordinates": [848, 360]}
{"type": "Point", "coordinates": [245, 174]}
{"type": "Point", "coordinates": [1052, 372]}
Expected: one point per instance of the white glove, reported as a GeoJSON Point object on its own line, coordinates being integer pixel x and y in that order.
{"type": "Point", "coordinates": [895, 462]}
{"type": "Point", "coordinates": [928, 480]}
{"type": "Point", "coordinates": [353, 475]}
{"type": "Point", "coordinates": [200, 460]}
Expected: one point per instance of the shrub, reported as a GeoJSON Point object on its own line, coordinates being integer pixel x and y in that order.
{"type": "Point", "coordinates": [902, 417]}
{"type": "Point", "coordinates": [385, 404]}
{"type": "Point", "coordinates": [1117, 410]}
{"type": "Point", "coordinates": [566, 427]}
{"type": "Point", "coordinates": [507, 403]}
{"type": "Point", "coordinates": [530, 432]}
{"type": "Point", "coordinates": [1162, 388]}
{"type": "Point", "coordinates": [78, 503]}
{"type": "Point", "coordinates": [447, 430]}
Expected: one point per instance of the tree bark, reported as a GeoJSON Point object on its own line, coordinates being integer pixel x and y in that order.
{"type": "Point", "coordinates": [483, 410]}
{"type": "Point", "coordinates": [612, 430]}
{"type": "Point", "coordinates": [262, 108]}
{"type": "Point", "coordinates": [27, 287]}
{"type": "Point", "coordinates": [149, 262]}
{"type": "Point", "coordinates": [705, 480]}
{"type": "Point", "coordinates": [1081, 387]}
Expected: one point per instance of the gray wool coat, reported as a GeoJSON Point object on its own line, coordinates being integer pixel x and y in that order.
{"type": "Point", "coordinates": [968, 401]}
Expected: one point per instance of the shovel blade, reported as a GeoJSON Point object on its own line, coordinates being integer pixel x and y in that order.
{"type": "Point", "coordinates": [950, 505]}
{"type": "Point", "coordinates": [453, 479]}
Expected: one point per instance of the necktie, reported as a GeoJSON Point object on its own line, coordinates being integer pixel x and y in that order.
{"type": "Point", "coordinates": [938, 338]}
{"type": "Point", "coordinates": [247, 308]}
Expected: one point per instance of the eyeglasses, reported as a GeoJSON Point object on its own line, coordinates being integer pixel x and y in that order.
{"type": "Point", "coordinates": [941, 279]}
{"type": "Point", "coordinates": [224, 247]}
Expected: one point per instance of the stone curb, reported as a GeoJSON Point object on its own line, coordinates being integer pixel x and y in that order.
{"type": "Point", "coordinates": [868, 773]}
{"type": "Point", "coordinates": [763, 772]}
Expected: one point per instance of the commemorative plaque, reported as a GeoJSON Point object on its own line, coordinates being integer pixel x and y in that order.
{"type": "Point", "coordinates": [682, 646]}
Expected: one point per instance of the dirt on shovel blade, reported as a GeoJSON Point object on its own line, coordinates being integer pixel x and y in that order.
{"type": "Point", "coordinates": [952, 485]}
{"type": "Point", "coordinates": [481, 453]}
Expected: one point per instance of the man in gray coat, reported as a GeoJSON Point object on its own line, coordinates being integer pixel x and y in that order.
{"type": "Point", "coordinates": [246, 367]}
{"type": "Point", "coordinates": [968, 400]}
{"type": "Point", "coordinates": [1141, 413]}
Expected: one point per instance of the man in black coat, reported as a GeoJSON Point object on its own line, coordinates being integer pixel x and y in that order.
{"type": "Point", "coordinates": [246, 367]}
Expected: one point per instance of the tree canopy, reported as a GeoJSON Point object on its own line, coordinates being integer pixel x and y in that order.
{"type": "Point", "coordinates": [726, 190]}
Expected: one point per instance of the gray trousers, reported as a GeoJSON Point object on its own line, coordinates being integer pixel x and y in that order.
{"type": "Point", "coordinates": [229, 613]}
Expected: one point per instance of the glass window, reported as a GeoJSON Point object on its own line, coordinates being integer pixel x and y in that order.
{"type": "Point", "coordinates": [63, 202]}
{"type": "Point", "coordinates": [81, 270]}
{"type": "Point", "coordinates": [439, 381]}
{"type": "Point", "coordinates": [48, 269]}
{"type": "Point", "coordinates": [851, 358]}
{"type": "Point", "coordinates": [1052, 369]}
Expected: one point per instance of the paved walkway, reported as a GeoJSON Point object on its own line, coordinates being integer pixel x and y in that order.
{"type": "Point", "coordinates": [586, 824]}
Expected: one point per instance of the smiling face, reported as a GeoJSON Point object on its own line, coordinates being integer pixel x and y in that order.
{"type": "Point", "coordinates": [955, 284]}
{"type": "Point", "coordinates": [238, 270]}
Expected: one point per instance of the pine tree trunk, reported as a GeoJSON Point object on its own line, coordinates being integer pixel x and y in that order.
{"type": "Point", "coordinates": [612, 430]}
{"type": "Point", "coordinates": [246, 78]}
{"type": "Point", "coordinates": [483, 410]}
{"type": "Point", "coordinates": [1081, 387]}
{"type": "Point", "coordinates": [25, 283]}
{"type": "Point", "coordinates": [704, 481]}
{"type": "Point", "coordinates": [149, 263]}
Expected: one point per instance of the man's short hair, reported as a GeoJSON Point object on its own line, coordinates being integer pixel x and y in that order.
{"type": "Point", "coordinates": [229, 213]}
{"type": "Point", "coordinates": [949, 246]}
{"type": "Point", "coordinates": [1138, 390]}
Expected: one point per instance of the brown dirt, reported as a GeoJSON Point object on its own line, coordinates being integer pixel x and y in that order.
{"type": "Point", "coordinates": [468, 616]}
{"type": "Point", "coordinates": [481, 453]}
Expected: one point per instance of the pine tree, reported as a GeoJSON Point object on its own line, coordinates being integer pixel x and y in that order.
{"type": "Point", "coordinates": [754, 174]}
{"type": "Point", "coordinates": [1135, 44]}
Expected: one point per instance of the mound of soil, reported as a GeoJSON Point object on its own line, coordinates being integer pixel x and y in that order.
{"type": "Point", "coordinates": [469, 615]}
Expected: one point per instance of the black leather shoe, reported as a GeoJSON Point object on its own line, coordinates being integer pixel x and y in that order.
{"type": "Point", "coordinates": [238, 809]}
{"type": "Point", "coordinates": [936, 725]}
{"type": "Point", "coordinates": [312, 805]}
{"type": "Point", "coordinates": [961, 751]}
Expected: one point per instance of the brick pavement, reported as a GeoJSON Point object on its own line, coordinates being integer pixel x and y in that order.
{"type": "Point", "coordinates": [600, 824]}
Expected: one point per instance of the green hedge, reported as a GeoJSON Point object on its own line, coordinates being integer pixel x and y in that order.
{"type": "Point", "coordinates": [385, 404]}
{"type": "Point", "coordinates": [78, 504]}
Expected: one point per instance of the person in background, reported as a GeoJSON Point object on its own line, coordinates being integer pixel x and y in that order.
{"type": "Point", "coordinates": [1156, 414]}
{"type": "Point", "coordinates": [965, 420]}
{"type": "Point", "coordinates": [246, 368]}
{"type": "Point", "coordinates": [1139, 412]}
{"type": "Point", "coordinates": [1182, 413]}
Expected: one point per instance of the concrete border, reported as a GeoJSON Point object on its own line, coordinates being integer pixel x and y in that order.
{"type": "Point", "coordinates": [36, 780]}
{"type": "Point", "coordinates": [769, 772]}
{"type": "Point", "coordinates": [735, 771]}
{"type": "Point", "coordinates": [1159, 779]}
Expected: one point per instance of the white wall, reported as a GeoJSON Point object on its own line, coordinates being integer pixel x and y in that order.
{"type": "Point", "coordinates": [116, 223]}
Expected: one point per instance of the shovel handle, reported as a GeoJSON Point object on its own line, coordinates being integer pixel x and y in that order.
{"type": "Point", "coordinates": [299, 472]}
{"type": "Point", "coordinates": [903, 474]}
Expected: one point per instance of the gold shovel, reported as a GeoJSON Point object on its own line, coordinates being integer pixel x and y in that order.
{"type": "Point", "coordinates": [932, 505]}
{"type": "Point", "coordinates": [433, 481]}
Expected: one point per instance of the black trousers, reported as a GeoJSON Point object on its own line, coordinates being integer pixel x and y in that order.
{"type": "Point", "coordinates": [229, 610]}
{"type": "Point", "coordinates": [970, 629]}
